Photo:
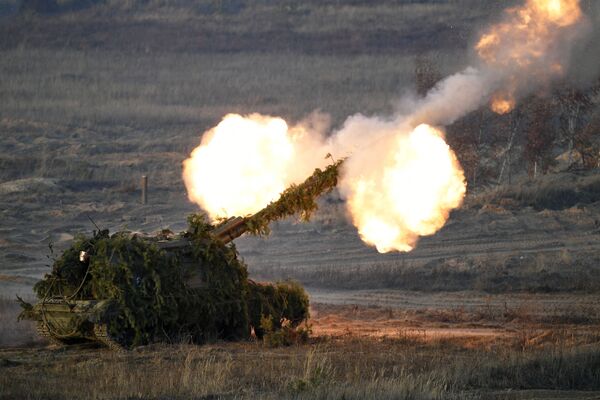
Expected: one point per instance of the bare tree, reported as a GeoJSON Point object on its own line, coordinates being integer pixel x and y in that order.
{"type": "Point", "coordinates": [575, 104]}
{"type": "Point", "coordinates": [586, 143]}
{"type": "Point", "coordinates": [514, 123]}
{"type": "Point", "coordinates": [541, 135]}
{"type": "Point", "coordinates": [465, 137]}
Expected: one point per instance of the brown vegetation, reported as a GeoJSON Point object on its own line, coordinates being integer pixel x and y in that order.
{"type": "Point", "coordinates": [97, 94]}
{"type": "Point", "coordinates": [339, 27]}
{"type": "Point", "coordinates": [541, 273]}
{"type": "Point", "coordinates": [406, 363]}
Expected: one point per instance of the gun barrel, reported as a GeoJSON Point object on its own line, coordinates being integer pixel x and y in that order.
{"type": "Point", "coordinates": [295, 199]}
{"type": "Point", "coordinates": [231, 229]}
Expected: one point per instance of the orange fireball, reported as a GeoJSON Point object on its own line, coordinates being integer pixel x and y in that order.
{"type": "Point", "coordinates": [240, 166]}
{"type": "Point", "coordinates": [405, 193]}
{"type": "Point", "coordinates": [527, 43]}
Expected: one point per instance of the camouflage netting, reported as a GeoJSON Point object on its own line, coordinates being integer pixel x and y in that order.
{"type": "Point", "coordinates": [284, 301]}
{"type": "Point", "coordinates": [186, 287]}
{"type": "Point", "coordinates": [150, 287]}
{"type": "Point", "coordinates": [297, 199]}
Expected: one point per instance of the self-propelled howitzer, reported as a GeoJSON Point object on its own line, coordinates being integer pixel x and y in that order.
{"type": "Point", "coordinates": [129, 289]}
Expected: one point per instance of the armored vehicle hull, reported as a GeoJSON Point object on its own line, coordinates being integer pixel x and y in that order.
{"type": "Point", "coordinates": [129, 289]}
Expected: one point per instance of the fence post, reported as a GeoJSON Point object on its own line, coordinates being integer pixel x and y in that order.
{"type": "Point", "coordinates": [144, 189]}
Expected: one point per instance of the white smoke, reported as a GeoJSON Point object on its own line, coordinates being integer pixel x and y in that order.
{"type": "Point", "coordinates": [527, 49]}
{"type": "Point", "coordinates": [401, 180]}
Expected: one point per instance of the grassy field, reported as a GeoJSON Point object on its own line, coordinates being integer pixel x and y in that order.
{"type": "Point", "coordinates": [531, 361]}
{"type": "Point", "coordinates": [77, 116]}
{"type": "Point", "coordinates": [559, 359]}
{"type": "Point", "coordinates": [343, 27]}
{"type": "Point", "coordinates": [501, 304]}
{"type": "Point", "coordinates": [548, 272]}
{"type": "Point", "coordinates": [333, 369]}
{"type": "Point", "coordinates": [108, 88]}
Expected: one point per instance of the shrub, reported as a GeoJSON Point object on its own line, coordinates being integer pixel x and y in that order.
{"type": "Point", "coordinates": [286, 335]}
{"type": "Point", "coordinates": [283, 301]}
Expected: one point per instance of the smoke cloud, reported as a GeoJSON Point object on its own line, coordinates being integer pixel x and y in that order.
{"type": "Point", "coordinates": [400, 180]}
{"type": "Point", "coordinates": [528, 48]}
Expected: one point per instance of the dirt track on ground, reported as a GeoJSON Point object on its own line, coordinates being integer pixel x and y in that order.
{"type": "Point", "coordinates": [472, 233]}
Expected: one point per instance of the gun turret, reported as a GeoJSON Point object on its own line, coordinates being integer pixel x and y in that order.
{"type": "Point", "coordinates": [296, 199]}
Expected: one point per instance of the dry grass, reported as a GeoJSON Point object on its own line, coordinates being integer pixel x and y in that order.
{"type": "Point", "coordinates": [106, 117]}
{"type": "Point", "coordinates": [403, 364]}
{"type": "Point", "coordinates": [98, 87]}
{"type": "Point", "coordinates": [558, 191]}
{"type": "Point", "coordinates": [348, 368]}
{"type": "Point", "coordinates": [110, 84]}
{"type": "Point", "coordinates": [306, 16]}
{"type": "Point", "coordinates": [95, 110]}
{"type": "Point", "coordinates": [545, 272]}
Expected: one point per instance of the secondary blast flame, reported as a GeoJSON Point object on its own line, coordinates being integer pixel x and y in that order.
{"type": "Point", "coordinates": [502, 104]}
{"type": "Point", "coordinates": [405, 183]}
{"type": "Point", "coordinates": [400, 180]}
{"type": "Point", "coordinates": [531, 42]}
{"type": "Point", "coordinates": [404, 192]}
